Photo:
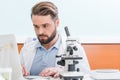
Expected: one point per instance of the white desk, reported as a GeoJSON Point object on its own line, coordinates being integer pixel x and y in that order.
{"type": "Point", "coordinates": [99, 75]}
{"type": "Point", "coordinates": [86, 77]}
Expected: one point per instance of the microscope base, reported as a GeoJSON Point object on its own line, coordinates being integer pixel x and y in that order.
{"type": "Point", "coordinates": [71, 76]}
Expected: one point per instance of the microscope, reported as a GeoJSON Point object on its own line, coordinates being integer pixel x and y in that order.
{"type": "Point", "coordinates": [70, 59]}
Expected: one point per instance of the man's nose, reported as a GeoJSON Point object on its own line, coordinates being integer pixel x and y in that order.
{"type": "Point", "coordinates": [41, 31]}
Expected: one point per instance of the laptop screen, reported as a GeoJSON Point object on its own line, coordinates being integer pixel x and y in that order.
{"type": "Point", "coordinates": [9, 57]}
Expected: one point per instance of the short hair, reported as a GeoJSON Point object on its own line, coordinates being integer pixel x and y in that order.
{"type": "Point", "coordinates": [45, 8]}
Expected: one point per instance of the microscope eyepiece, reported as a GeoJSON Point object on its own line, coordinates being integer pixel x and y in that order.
{"type": "Point", "coordinates": [67, 31]}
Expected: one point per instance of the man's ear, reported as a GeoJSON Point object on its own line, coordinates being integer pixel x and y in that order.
{"type": "Point", "coordinates": [57, 22]}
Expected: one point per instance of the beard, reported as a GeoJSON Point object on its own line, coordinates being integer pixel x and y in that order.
{"type": "Point", "coordinates": [49, 39]}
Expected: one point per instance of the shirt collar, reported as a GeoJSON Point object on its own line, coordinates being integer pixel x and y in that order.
{"type": "Point", "coordinates": [57, 44]}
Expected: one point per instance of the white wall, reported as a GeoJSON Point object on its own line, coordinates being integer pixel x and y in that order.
{"type": "Point", "coordinates": [85, 18]}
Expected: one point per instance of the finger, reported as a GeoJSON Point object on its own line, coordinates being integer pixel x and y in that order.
{"type": "Point", "coordinates": [56, 75]}
{"type": "Point", "coordinates": [52, 72]}
{"type": "Point", "coordinates": [48, 72]}
{"type": "Point", "coordinates": [45, 71]}
{"type": "Point", "coordinates": [25, 72]}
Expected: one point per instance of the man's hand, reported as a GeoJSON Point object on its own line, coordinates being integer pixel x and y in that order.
{"type": "Point", "coordinates": [24, 71]}
{"type": "Point", "coordinates": [54, 72]}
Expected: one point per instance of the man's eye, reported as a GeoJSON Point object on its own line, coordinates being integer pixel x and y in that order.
{"type": "Point", "coordinates": [45, 25]}
{"type": "Point", "coordinates": [36, 26]}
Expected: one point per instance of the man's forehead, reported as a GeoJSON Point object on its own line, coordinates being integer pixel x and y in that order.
{"type": "Point", "coordinates": [42, 19]}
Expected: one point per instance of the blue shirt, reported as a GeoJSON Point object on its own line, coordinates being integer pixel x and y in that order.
{"type": "Point", "coordinates": [44, 58]}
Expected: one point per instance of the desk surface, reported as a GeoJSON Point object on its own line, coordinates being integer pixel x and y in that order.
{"type": "Point", "coordinates": [97, 76]}
{"type": "Point", "coordinates": [86, 77]}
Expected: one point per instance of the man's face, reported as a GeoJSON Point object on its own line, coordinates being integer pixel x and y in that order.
{"type": "Point", "coordinates": [45, 28]}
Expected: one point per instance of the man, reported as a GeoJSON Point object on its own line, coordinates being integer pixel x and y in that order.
{"type": "Point", "coordinates": [38, 56]}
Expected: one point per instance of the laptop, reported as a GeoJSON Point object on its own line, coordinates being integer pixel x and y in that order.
{"type": "Point", "coordinates": [9, 58]}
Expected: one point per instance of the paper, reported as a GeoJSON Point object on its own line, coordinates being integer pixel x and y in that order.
{"type": "Point", "coordinates": [106, 74]}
